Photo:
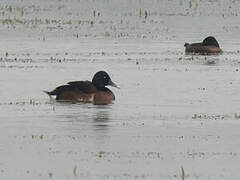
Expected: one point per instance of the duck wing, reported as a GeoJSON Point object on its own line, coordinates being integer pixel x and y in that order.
{"type": "Point", "coordinates": [83, 86]}
{"type": "Point", "coordinates": [58, 90]}
{"type": "Point", "coordinates": [196, 44]}
{"type": "Point", "coordinates": [75, 86]}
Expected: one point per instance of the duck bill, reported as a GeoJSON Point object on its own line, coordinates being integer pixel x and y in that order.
{"type": "Point", "coordinates": [113, 84]}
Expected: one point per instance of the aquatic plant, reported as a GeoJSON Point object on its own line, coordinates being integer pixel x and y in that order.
{"type": "Point", "coordinates": [183, 173]}
{"type": "Point", "coordinates": [75, 171]}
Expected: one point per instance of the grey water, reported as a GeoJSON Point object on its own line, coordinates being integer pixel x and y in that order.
{"type": "Point", "coordinates": [173, 110]}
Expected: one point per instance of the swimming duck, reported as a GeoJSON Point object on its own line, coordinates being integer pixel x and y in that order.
{"type": "Point", "coordinates": [209, 46]}
{"type": "Point", "coordinates": [94, 92]}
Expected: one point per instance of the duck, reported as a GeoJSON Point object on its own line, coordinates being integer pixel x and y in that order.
{"type": "Point", "coordinates": [94, 91]}
{"type": "Point", "coordinates": [209, 46]}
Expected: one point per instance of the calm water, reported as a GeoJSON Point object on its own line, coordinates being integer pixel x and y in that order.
{"type": "Point", "coordinates": [172, 110]}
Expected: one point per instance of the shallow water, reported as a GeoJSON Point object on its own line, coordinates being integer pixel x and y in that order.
{"type": "Point", "coordinates": [172, 110]}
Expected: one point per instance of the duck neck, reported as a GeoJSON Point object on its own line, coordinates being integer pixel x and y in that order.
{"type": "Point", "coordinates": [102, 88]}
{"type": "Point", "coordinates": [98, 87]}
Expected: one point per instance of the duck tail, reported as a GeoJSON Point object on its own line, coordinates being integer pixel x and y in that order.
{"type": "Point", "coordinates": [186, 44]}
{"type": "Point", "coordinates": [49, 94]}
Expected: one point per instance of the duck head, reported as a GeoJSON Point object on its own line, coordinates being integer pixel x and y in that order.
{"type": "Point", "coordinates": [210, 41]}
{"type": "Point", "coordinates": [102, 79]}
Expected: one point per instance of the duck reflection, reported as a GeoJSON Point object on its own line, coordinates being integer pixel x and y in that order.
{"type": "Point", "coordinates": [84, 118]}
{"type": "Point", "coordinates": [211, 61]}
{"type": "Point", "coordinates": [101, 118]}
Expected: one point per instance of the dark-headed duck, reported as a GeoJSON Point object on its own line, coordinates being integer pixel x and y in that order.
{"type": "Point", "coordinates": [209, 46]}
{"type": "Point", "coordinates": [94, 92]}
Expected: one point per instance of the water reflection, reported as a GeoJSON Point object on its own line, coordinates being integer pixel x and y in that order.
{"type": "Point", "coordinates": [100, 117]}
{"type": "Point", "coordinates": [85, 117]}
{"type": "Point", "coordinates": [211, 61]}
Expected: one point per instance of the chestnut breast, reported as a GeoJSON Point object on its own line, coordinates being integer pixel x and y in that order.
{"type": "Point", "coordinates": [103, 97]}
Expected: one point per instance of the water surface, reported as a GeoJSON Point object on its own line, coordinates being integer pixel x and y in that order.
{"type": "Point", "coordinates": [172, 110]}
